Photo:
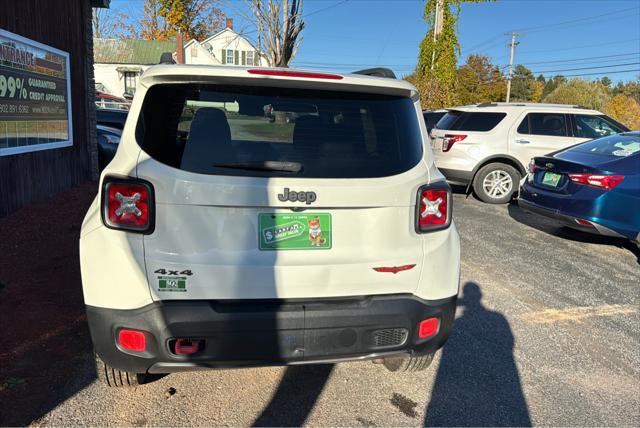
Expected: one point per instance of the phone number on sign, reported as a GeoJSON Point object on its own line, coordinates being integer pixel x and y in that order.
{"type": "Point", "coordinates": [12, 108]}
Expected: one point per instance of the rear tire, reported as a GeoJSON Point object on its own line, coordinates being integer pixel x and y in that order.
{"type": "Point", "coordinates": [496, 183]}
{"type": "Point", "coordinates": [115, 378]}
{"type": "Point", "coordinates": [409, 363]}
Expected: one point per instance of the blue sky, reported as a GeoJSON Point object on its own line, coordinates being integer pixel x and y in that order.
{"type": "Point", "coordinates": [558, 37]}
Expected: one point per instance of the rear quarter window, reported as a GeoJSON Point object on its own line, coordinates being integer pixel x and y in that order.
{"type": "Point", "coordinates": [256, 131]}
{"type": "Point", "coordinates": [470, 121]}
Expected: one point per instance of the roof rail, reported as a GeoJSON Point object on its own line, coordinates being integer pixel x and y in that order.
{"type": "Point", "coordinates": [166, 58]}
{"type": "Point", "coordinates": [377, 72]}
{"type": "Point", "coordinates": [582, 107]}
{"type": "Point", "coordinates": [487, 105]}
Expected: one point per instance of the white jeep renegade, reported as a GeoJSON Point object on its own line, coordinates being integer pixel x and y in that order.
{"type": "Point", "coordinates": [268, 216]}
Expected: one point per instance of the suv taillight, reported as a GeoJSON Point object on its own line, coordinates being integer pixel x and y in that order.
{"type": "Point", "coordinates": [433, 207]}
{"type": "Point", "coordinates": [449, 139]}
{"type": "Point", "coordinates": [128, 204]}
{"type": "Point", "coordinates": [603, 181]}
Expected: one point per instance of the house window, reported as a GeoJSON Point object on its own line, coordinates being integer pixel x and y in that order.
{"type": "Point", "coordinates": [230, 56]}
{"type": "Point", "coordinates": [194, 52]}
{"type": "Point", "coordinates": [130, 82]}
{"type": "Point", "coordinates": [250, 58]}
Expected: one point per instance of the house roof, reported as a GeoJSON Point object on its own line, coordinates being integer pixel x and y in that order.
{"type": "Point", "coordinates": [130, 51]}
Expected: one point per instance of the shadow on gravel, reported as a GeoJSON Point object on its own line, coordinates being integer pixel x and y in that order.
{"type": "Point", "coordinates": [477, 383]}
{"type": "Point", "coordinates": [297, 393]}
{"type": "Point", "coordinates": [548, 226]}
{"type": "Point", "coordinates": [45, 348]}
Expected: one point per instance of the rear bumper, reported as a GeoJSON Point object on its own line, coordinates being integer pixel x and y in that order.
{"type": "Point", "coordinates": [567, 220]}
{"type": "Point", "coordinates": [457, 176]}
{"type": "Point", "coordinates": [255, 333]}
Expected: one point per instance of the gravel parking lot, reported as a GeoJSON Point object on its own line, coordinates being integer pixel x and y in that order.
{"type": "Point", "coordinates": [547, 333]}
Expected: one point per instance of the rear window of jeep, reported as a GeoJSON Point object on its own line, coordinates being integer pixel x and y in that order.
{"type": "Point", "coordinates": [261, 131]}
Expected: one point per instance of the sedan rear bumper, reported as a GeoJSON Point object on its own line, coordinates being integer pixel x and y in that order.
{"type": "Point", "coordinates": [567, 220]}
{"type": "Point", "coordinates": [270, 332]}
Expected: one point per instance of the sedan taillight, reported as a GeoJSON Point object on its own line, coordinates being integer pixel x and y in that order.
{"type": "Point", "coordinates": [128, 204]}
{"type": "Point", "coordinates": [449, 140]}
{"type": "Point", "coordinates": [433, 208]}
{"type": "Point", "coordinates": [603, 181]}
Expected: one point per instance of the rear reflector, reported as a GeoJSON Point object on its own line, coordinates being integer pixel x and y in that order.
{"type": "Point", "coordinates": [434, 209]}
{"type": "Point", "coordinates": [127, 204]}
{"type": "Point", "coordinates": [428, 328]}
{"type": "Point", "coordinates": [448, 140]}
{"type": "Point", "coordinates": [187, 346]}
{"type": "Point", "coordinates": [603, 181]}
{"type": "Point", "coordinates": [394, 269]}
{"type": "Point", "coordinates": [584, 222]}
{"type": "Point", "coordinates": [289, 73]}
{"type": "Point", "coordinates": [132, 340]}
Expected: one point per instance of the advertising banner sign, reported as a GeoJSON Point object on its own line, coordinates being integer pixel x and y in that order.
{"type": "Point", "coordinates": [35, 96]}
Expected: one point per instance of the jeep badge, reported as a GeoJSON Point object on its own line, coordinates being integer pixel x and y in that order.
{"type": "Point", "coordinates": [292, 196]}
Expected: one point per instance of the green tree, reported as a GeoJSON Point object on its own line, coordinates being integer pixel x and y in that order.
{"type": "Point", "coordinates": [521, 84]}
{"type": "Point", "coordinates": [624, 109]}
{"type": "Point", "coordinates": [580, 92]}
{"type": "Point", "coordinates": [551, 84]}
{"type": "Point", "coordinates": [444, 51]}
{"type": "Point", "coordinates": [630, 89]}
{"type": "Point", "coordinates": [478, 80]}
{"type": "Point", "coordinates": [163, 19]}
{"type": "Point", "coordinates": [606, 81]}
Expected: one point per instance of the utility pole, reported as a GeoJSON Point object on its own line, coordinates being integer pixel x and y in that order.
{"type": "Point", "coordinates": [513, 49]}
{"type": "Point", "coordinates": [437, 28]}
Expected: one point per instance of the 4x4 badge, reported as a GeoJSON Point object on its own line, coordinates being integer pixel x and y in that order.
{"type": "Point", "coordinates": [292, 196]}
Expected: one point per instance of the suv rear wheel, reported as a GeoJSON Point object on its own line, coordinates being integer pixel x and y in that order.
{"type": "Point", "coordinates": [116, 378]}
{"type": "Point", "coordinates": [496, 183]}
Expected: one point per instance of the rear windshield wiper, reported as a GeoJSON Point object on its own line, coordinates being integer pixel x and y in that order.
{"type": "Point", "coordinates": [263, 166]}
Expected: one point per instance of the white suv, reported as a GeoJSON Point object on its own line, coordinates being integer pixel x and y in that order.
{"type": "Point", "coordinates": [487, 146]}
{"type": "Point", "coordinates": [222, 236]}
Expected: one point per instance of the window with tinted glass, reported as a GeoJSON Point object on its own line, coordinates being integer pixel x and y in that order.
{"type": "Point", "coordinates": [552, 124]}
{"type": "Point", "coordinates": [432, 117]}
{"type": "Point", "coordinates": [241, 130]}
{"type": "Point", "coordinates": [470, 121]}
{"type": "Point", "coordinates": [593, 126]}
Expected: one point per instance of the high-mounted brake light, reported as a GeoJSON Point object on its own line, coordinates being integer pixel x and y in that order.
{"type": "Point", "coordinates": [603, 181]}
{"type": "Point", "coordinates": [127, 204]}
{"type": "Point", "coordinates": [449, 140]}
{"type": "Point", "coordinates": [291, 73]}
{"type": "Point", "coordinates": [433, 208]}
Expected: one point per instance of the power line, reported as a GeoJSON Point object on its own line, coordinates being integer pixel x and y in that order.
{"type": "Point", "coordinates": [585, 68]}
{"type": "Point", "coordinates": [583, 46]}
{"type": "Point", "coordinates": [585, 58]}
{"type": "Point", "coordinates": [324, 8]}
{"type": "Point", "coordinates": [602, 72]}
{"type": "Point", "coordinates": [587, 18]}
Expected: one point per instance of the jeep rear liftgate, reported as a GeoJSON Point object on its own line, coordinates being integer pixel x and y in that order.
{"type": "Point", "coordinates": [280, 193]}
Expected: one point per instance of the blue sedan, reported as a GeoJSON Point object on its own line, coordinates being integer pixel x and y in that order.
{"type": "Point", "coordinates": [593, 186]}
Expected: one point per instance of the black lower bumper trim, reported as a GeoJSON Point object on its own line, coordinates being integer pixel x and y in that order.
{"type": "Point", "coordinates": [457, 176]}
{"type": "Point", "coordinates": [269, 332]}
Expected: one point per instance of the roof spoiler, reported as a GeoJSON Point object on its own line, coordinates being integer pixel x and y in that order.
{"type": "Point", "coordinates": [377, 72]}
